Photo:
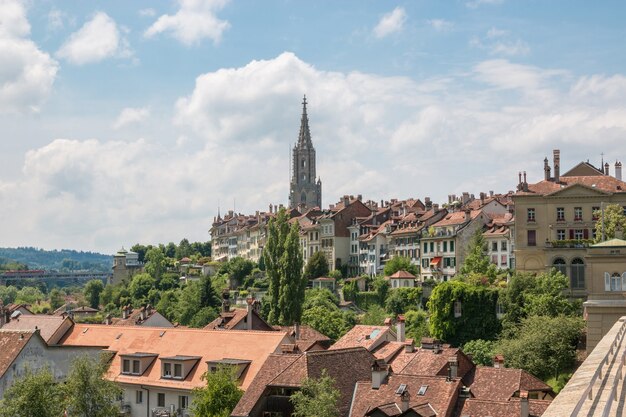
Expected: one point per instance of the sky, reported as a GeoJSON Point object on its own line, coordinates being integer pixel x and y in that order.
{"type": "Point", "coordinates": [125, 122]}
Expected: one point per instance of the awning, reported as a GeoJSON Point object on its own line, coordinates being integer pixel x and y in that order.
{"type": "Point", "coordinates": [435, 261]}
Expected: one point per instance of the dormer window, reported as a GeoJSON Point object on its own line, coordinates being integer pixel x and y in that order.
{"type": "Point", "coordinates": [136, 363]}
{"type": "Point", "coordinates": [177, 367]}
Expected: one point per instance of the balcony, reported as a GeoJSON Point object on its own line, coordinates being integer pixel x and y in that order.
{"type": "Point", "coordinates": [569, 244]}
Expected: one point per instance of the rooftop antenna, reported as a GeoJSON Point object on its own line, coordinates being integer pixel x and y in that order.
{"type": "Point", "coordinates": [602, 163]}
{"type": "Point", "coordinates": [218, 207]}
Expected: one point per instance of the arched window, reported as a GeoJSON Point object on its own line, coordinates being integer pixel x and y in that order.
{"type": "Point", "coordinates": [613, 282]}
{"type": "Point", "coordinates": [577, 279]}
{"type": "Point", "coordinates": [303, 163]}
{"type": "Point", "coordinates": [560, 265]}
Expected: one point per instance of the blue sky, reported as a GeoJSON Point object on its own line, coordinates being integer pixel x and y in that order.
{"type": "Point", "coordinates": [128, 122]}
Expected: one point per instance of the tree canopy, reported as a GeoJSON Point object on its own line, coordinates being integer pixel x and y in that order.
{"type": "Point", "coordinates": [316, 266]}
{"type": "Point", "coordinates": [400, 263]}
{"type": "Point", "coordinates": [318, 397]}
{"type": "Point", "coordinates": [220, 395]}
{"type": "Point", "coordinates": [477, 261]}
{"type": "Point", "coordinates": [612, 223]}
{"type": "Point", "coordinates": [33, 395]}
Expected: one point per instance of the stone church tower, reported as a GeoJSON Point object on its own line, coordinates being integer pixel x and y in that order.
{"type": "Point", "coordinates": [305, 191]}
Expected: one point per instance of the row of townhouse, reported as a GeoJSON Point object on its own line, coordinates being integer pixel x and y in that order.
{"type": "Point", "coordinates": [361, 236]}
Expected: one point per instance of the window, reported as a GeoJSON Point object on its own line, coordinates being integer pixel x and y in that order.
{"type": "Point", "coordinates": [532, 238]}
{"type": "Point", "coordinates": [578, 234]}
{"type": "Point", "coordinates": [560, 214]}
{"type": "Point", "coordinates": [178, 370]}
{"type": "Point", "coordinates": [139, 397]}
{"type": "Point", "coordinates": [615, 281]}
{"type": "Point", "coordinates": [452, 246]}
{"type": "Point", "coordinates": [503, 245]}
{"type": "Point", "coordinates": [167, 370]}
{"type": "Point", "coordinates": [577, 279]}
{"type": "Point", "coordinates": [494, 246]}
{"type": "Point", "coordinates": [559, 265]}
{"type": "Point", "coordinates": [425, 262]}
{"type": "Point", "coordinates": [136, 367]}
{"type": "Point", "coordinates": [457, 309]}
{"type": "Point", "coordinates": [425, 247]}
{"type": "Point", "coordinates": [303, 163]}
{"type": "Point", "coordinates": [445, 246]}
{"type": "Point", "coordinates": [494, 259]}
{"type": "Point", "coordinates": [560, 234]}
{"type": "Point", "coordinates": [578, 213]}
{"type": "Point", "coordinates": [432, 246]}
{"type": "Point", "coordinates": [530, 214]}
{"type": "Point", "coordinates": [183, 402]}
{"type": "Point", "coordinates": [160, 399]}
{"type": "Point", "coordinates": [422, 390]}
{"type": "Point", "coordinates": [126, 366]}
{"type": "Point", "coordinates": [595, 213]}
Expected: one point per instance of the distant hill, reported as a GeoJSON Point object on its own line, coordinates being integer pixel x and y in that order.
{"type": "Point", "coordinates": [61, 260]}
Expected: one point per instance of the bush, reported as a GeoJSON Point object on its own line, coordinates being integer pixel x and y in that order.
{"type": "Point", "coordinates": [416, 322]}
{"type": "Point", "coordinates": [401, 300]}
{"type": "Point", "coordinates": [482, 351]}
{"type": "Point", "coordinates": [364, 300]}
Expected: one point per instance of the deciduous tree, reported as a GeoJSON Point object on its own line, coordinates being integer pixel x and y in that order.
{"type": "Point", "coordinates": [220, 395]}
{"type": "Point", "coordinates": [316, 266]}
{"type": "Point", "coordinates": [612, 222]}
{"type": "Point", "coordinates": [399, 263]}
{"type": "Point", "coordinates": [477, 261]}
{"type": "Point", "coordinates": [318, 397]}
{"type": "Point", "coordinates": [87, 392]}
{"type": "Point", "coordinates": [33, 395]}
{"type": "Point", "coordinates": [92, 292]}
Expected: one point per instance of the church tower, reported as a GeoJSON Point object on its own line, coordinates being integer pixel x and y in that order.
{"type": "Point", "coordinates": [305, 190]}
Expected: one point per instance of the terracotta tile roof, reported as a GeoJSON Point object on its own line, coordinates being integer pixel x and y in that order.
{"type": "Point", "coordinates": [428, 362]}
{"type": "Point", "coordinates": [210, 345]}
{"type": "Point", "coordinates": [499, 384]}
{"type": "Point", "coordinates": [388, 350]}
{"type": "Point", "coordinates": [441, 394]}
{"type": "Point", "coordinates": [47, 325]}
{"type": "Point", "coordinates": [457, 217]}
{"type": "Point", "coordinates": [134, 319]}
{"type": "Point", "coordinates": [603, 183]}
{"type": "Point", "coordinates": [362, 335]}
{"type": "Point", "coordinates": [12, 307]}
{"type": "Point", "coordinates": [402, 274]}
{"type": "Point", "coordinates": [11, 344]}
{"type": "Point", "coordinates": [489, 408]}
{"type": "Point", "coordinates": [306, 333]}
{"type": "Point", "coordinates": [227, 321]}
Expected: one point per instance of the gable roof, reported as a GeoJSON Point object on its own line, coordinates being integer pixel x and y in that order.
{"type": "Point", "coordinates": [134, 318]}
{"type": "Point", "coordinates": [363, 336]}
{"type": "Point", "coordinates": [441, 394]}
{"type": "Point", "coordinates": [483, 408]}
{"type": "Point", "coordinates": [209, 345]}
{"type": "Point", "coordinates": [431, 362]}
{"type": "Point", "coordinates": [47, 325]}
{"type": "Point", "coordinates": [604, 184]}
{"type": "Point", "coordinates": [11, 344]}
{"type": "Point", "coordinates": [402, 275]}
{"type": "Point", "coordinates": [229, 320]}
{"type": "Point", "coordinates": [500, 384]}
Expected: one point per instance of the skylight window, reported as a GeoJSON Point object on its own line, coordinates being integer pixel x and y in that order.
{"type": "Point", "coordinates": [401, 389]}
{"type": "Point", "coordinates": [374, 333]}
{"type": "Point", "coordinates": [422, 390]}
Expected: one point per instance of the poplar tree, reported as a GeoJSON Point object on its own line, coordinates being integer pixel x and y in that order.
{"type": "Point", "coordinates": [292, 283]}
{"type": "Point", "coordinates": [272, 253]}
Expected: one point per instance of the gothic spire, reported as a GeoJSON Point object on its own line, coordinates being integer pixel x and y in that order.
{"type": "Point", "coordinates": [304, 138]}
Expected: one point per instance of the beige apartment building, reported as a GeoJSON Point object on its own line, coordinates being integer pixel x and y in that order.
{"type": "Point", "coordinates": [555, 218]}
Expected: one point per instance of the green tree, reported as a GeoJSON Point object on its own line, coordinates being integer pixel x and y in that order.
{"type": "Point", "coordinates": [381, 286]}
{"type": "Point", "coordinates": [350, 288]}
{"type": "Point", "coordinates": [482, 351]}
{"type": "Point", "coordinates": [208, 295]}
{"type": "Point", "coordinates": [168, 304]}
{"type": "Point", "coordinates": [477, 261]}
{"type": "Point", "coordinates": [611, 223]}
{"type": "Point", "coordinates": [184, 249]}
{"type": "Point", "coordinates": [318, 397]}
{"type": "Point", "coordinates": [375, 315]}
{"type": "Point", "coordinates": [87, 392]}
{"type": "Point", "coordinates": [140, 286]}
{"type": "Point", "coordinates": [141, 251]}
{"type": "Point", "coordinates": [401, 300]}
{"type": "Point", "coordinates": [8, 294]}
{"type": "Point", "coordinates": [203, 317]}
{"type": "Point", "coordinates": [56, 298]}
{"type": "Point", "coordinates": [416, 322]}
{"type": "Point", "coordinates": [188, 303]}
{"type": "Point", "coordinates": [399, 263]}
{"type": "Point", "coordinates": [292, 284]}
{"type": "Point", "coordinates": [278, 228]}
{"type": "Point", "coordinates": [29, 295]}
{"type": "Point", "coordinates": [92, 292]}
{"type": "Point", "coordinates": [316, 266]}
{"type": "Point", "coordinates": [220, 395]}
{"type": "Point", "coordinates": [544, 346]}
{"type": "Point", "coordinates": [155, 263]}
{"type": "Point", "coordinates": [33, 395]}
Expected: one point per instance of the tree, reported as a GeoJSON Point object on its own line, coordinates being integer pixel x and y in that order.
{"type": "Point", "coordinates": [140, 286]}
{"type": "Point", "coordinates": [208, 295]}
{"type": "Point", "coordinates": [610, 223]}
{"type": "Point", "coordinates": [56, 299]}
{"type": "Point", "coordinates": [188, 303]}
{"type": "Point", "coordinates": [33, 395]}
{"type": "Point", "coordinates": [482, 351]}
{"type": "Point", "coordinates": [477, 261]}
{"type": "Point", "coordinates": [87, 391]}
{"type": "Point", "coordinates": [29, 295]}
{"type": "Point", "coordinates": [316, 266]}
{"type": "Point", "coordinates": [276, 236]}
{"type": "Point", "coordinates": [203, 317]}
{"type": "Point", "coordinates": [399, 263]}
{"type": "Point", "coordinates": [381, 286]}
{"type": "Point", "coordinates": [141, 251]}
{"type": "Point", "coordinates": [155, 265]}
{"type": "Point", "coordinates": [184, 249]}
{"type": "Point", "coordinates": [401, 300]}
{"type": "Point", "coordinates": [292, 284]}
{"type": "Point", "coordinates": [220, 395]}
{"type": "Point", "coordinates": [8, 294]}
{"type": "Point", "coordinates": [416, 322]}
{"type": "Point", "coordinates": [318, 397]}
{"type": "Point", "coordinates": [92, 292]}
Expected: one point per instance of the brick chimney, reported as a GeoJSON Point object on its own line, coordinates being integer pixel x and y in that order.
{"type": "Point", "coordinates": [125, 311]}
{"type": "Point", "coordinates": [250, 309]}
{"type": "Point", "coordinates": [405, 398]}
{"type": "Point", "coordinates": [546, 170]}
{"type": "Point", "coordinates": [524, 407]}
{"type": "Point", "coordinates": [296, 331]}
{"type": "Point", "coordinates": [618, 170]}
{"type": "Point", "coordinates": [142, 314]}
{"type": "Point", "coordinates": [557, 164]}
{"type": "Point", "coordinates": [409, 346]}
{"type": "Point", "coordinates": [225, 302]}
{"type": "Point", "coordinates": [380, 370]}
{"type": "Point", "coordinates": [606, 168]}
{"type": "Point", "coordinates": [400, 332]}
{"type": "Point", "coordinates": [498, 361]}
{"type": "Point", "coordinates": [453, 367]}
{"type": "Point", "coordinates": [108, 320]}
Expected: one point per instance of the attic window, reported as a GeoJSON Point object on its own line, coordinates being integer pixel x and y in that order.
{"type": "Point", "coordinates": [401, 389]}
{"type": "Point", "coordinates": [422, 390]}
{"type": "Point", "coordinates": [374, 333]}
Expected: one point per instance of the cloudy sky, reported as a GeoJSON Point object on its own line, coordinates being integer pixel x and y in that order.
{"type": "Point", "coordinates": [126, 122]}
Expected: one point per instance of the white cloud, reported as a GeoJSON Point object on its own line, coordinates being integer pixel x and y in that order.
{"type": "Point", "coordinates": [378, 136]}
{"type": "Point", "coordinates": [147, 12]}
{"type": "Point", "coordinates": [131, 115]}
{"type": "Point", "coordinates": [496, 33]}
{"type": "Point", "coordinates": [497, 42]}
{"type": "Point", "coordinates": [441, 25]}
{"type": "Point", "coordinates": [26, 73]}
{"type": "Point", "coordinates": [513, 48]}
{"type": "Point", "coordinates": [390, 23]}
{"type": "Point", "coordinates": [97, 40]}
{"type": "Point", "coordinates": [56, 20]}
{"type": "Point", "coordinates": [477, 3]}
{"type": "Point", "coordinates": [194, 21]}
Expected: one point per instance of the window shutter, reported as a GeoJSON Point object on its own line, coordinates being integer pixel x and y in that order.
{"type": "Point", "coordinates": [585, 233]}
{"type": "Point", "coordinates": [571, 233]}
{"type": "Point", "coordinates": [624, 281]}
{"type": "Point", "coordinates": [607, 281]}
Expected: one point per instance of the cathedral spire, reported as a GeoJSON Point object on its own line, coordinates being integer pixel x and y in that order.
{"type": "Point", "coordinates": [304, 138]}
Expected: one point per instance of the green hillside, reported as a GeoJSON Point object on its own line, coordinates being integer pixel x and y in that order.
{"type": "Point", "coordinates": [60, 260]}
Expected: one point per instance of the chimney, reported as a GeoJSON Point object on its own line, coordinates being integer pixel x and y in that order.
{"type": "Point", "coordinates": [225, 302]}
{"type": "Point", "coordinates": [125, 312]}
{"type": "Point", "coordinates": [388, 322]}
{"type": "Point", "coordinates": [498, 361]}
{"type": "Point", "coordinates": [490, 193]}
{"type": "Point", "coordinates": [557, 165]}
{"type": "Point", "coordinates": [296, 331]}
{"type": "Point", "coordinates": [359, 197]}
{"type": "Point", "coordinates": [142, 314]}
{"type": "Point", "coordinates": [523, 400]}
{"type": "Point", "coordinates": [465, 198]}
{"type": "Point", "coordinates": [249, 308]}
{"type": "Point", "coordinates": [468, 215]}
{"type": "Point", "coordinates": [405, 398]}
{"type": "Point", "coordinates": [546, 170]}
{"type": "Point", "coordinates": [2, 314]}
{"type": "Point", "coordinates": [618, 170]}
{"type": "Point", "coordinates": [108, 320]}
{"type": "Point", "coordinates": [453, 367]}
{"type": "Point", "coordinates": [400, 334]}
{"type": "Point", "coordinates": [271, 207]}
{"type": "Point", "coordinates": [606, 168]}
{"type": "Point", "coordinates": [379, 372]}
{"type": "Point", "coordinates": [148, 310]}
{"type": "Point", "coordinates": [436, 207]}
{"type": "Point", "coordinates": [427, 203]}
{"type": "Point", "coordinates": [482, 197]}
{"type": "Point", "coordinates": [346, 201]}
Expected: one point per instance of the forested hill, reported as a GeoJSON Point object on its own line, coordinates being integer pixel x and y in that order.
{"type": "Point", "coordinates": [61, 260]}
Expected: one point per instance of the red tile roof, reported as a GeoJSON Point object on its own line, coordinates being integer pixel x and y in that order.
{"type": "Point", "coordinates": [489, 408]}
{"type": "Point", "coordinates": [402, 275]}
{"type": "Point", "coordinates": [428, 362]}
{"type": "Point", "coordinates": [47, 325]}
{"type": "Point", "coordinates": [362, 335]}
{"type": "Point", "coordinates": [11, 344]}
{"type": "Point", "coordinates": [500, 384]}
{"type": "Point", "coordinates": [603, 183]}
